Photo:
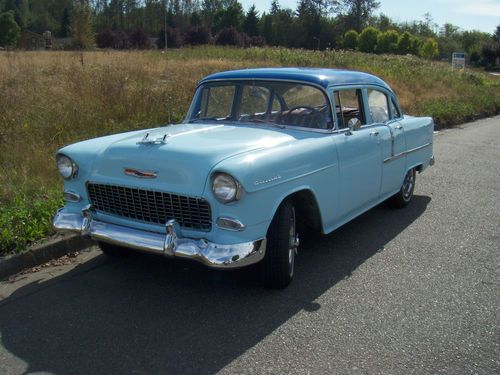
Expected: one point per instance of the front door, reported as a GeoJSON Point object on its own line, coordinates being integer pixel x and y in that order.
{"type": "Point", "coordinates": [359, 154]}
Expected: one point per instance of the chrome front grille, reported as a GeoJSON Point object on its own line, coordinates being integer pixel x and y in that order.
{"type": "Point", "coordinates": [151, 206]}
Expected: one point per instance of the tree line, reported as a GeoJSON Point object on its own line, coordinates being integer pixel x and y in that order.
{"type": "Point", "coordinates": [313, 24]}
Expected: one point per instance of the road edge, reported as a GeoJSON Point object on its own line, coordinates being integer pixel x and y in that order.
{"type": "Point", "coordinates": [40, 254]}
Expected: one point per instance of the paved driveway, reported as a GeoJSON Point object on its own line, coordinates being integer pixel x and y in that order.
{"type": "Point", "coordinates": [393, 292]}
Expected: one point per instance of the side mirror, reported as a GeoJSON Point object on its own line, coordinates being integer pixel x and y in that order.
{"type": "Point", "coordinates": [353, 124]}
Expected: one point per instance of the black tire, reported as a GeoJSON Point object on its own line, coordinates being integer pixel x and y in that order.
{"type": "Point", "coordinates": [112, 250]}
{"type": "Point", "coordinates": [403, 197]}
{"type": "Point", "coordinates": [282, 242]}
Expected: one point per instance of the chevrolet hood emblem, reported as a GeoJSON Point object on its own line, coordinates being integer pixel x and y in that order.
{"type": "Point", "coordinates": [140, 174]}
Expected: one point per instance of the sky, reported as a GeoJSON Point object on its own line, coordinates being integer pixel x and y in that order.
{"type": "Point", "coordinates": [483, 15]}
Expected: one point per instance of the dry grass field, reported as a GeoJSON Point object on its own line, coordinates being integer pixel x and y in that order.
{"type": "Point", "coordinates": [50, 99]}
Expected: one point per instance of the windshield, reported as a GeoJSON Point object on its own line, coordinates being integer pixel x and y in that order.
{"type": "Point", "coordinates": [262, 102]}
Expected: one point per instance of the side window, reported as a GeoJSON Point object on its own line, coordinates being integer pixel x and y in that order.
{"type": "Point", "coordinates": [303, 95]}
{"type": "Point", "coordinates": [395, 110]}
{"type": "Point", "coordinates": [378, 104]}
{"type": "Point", "coordinates": [348, 105]}
{"type": "Point", "coordinates": [217, 101]}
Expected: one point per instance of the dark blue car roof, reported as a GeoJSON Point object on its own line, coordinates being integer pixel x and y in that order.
{"type": "Point", "coordinates": [319, 76]}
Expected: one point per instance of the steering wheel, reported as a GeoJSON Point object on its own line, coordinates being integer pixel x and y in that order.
{"type": "Point", "coordinates": [285, 117]}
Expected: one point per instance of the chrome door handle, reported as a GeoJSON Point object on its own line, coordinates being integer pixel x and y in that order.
{"type": "Point", "coordinates": [399, 127]}
{"type": "Point", "coordinates": [374, 133]}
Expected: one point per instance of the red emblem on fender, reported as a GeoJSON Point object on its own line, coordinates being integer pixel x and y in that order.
{"type": "Point", "coordinates": [140, 174]}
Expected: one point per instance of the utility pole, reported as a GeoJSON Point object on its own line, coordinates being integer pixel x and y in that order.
{"type": "Point", "coordinates": [319, 41]}
{"type": "Point", "coordinates": [165, 25]}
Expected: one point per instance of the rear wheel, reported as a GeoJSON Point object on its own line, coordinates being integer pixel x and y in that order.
{"type": "Point", "coordinates": [282, 243]}
{"type": "Point", "coordinates": [404, 195]}
{"type": "Point", "coordinates": [112, 250]}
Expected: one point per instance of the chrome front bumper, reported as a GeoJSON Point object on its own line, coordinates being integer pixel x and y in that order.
{"type": "Point", "coordinates": [170, 244]}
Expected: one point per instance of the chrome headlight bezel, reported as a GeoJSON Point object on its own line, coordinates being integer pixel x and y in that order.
{"type": "Point", "coordinates": [68, 169]}
{"type": "Point", "coordinates": [226, 188]}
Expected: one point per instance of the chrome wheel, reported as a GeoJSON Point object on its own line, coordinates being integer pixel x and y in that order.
{"type": "Point", "coordinates": [293, 243]}
{"type": "Point", "coordinates": [408, 183]}
{"type": "Point", "coordinates": [403, 197]}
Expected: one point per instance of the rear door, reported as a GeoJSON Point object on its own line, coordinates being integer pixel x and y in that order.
{"type": "Point", "coordinates": [384, 111]}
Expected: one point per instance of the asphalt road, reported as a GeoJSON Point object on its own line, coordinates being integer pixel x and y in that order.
{"type": "Point", "coordinates": [412, 291]}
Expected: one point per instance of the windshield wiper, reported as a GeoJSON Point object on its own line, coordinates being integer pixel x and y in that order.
{"type": "Point", "coordinates": [214, 118]}
{"type": "Point", "coordinates": [260, 121]}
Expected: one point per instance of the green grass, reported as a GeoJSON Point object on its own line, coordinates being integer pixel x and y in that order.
{"type": "Point", "coordinates": [50, 99]}
{"type": "Point", "coordinates": [27, 218]}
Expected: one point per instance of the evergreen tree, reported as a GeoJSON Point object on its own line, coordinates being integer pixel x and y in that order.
{"type": "Point", "coordinates": [496, 34]}
{"type": "Point", "coordinates": [65, 22]}
{"type": "Point", "coordinates": [251, 22]}
{"type": "Point", "coordinates": [230, 16]}
{"type": "Point", "coordinates": [275, 7]}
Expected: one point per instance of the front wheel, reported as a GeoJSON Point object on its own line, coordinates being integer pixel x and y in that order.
{"type": "Point", "coordinates": [282, 243]}
{"type": "Point", "coordinates": [404, 195]}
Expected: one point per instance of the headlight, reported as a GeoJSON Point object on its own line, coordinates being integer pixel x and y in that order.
{"type": "Point", "coordinates": [226, 189]}
{"type": "Point", "coordinates": [67, 167]}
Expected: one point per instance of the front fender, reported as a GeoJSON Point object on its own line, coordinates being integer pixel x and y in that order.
{"type": "Point", "coordinates": [270, 176]}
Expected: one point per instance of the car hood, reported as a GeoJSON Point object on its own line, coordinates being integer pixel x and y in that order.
{"type": "Point", "coordinates": [181, 164]}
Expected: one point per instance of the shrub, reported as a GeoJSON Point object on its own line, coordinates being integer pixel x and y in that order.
{"type": "Point", "coordinates": [105, 38]}
{"type": "Point", "coordinates": [229, 36]}
{"type": "Point", "coordinates": [404, 43]}
{"type": "Point", "coordinates": [350, 40]}
{"type": "Point", "coordinates": [367, 41]}
{"type": "Point", "coordinates": [475, 57]}
{"type": "Point", "coordinates": [198, 35]}
{"type": "Point", "coordinates": [429, 49]}
{"type": "Point", "coordinates": [121, 40]}
{"type": "Point", "coordinates": [490, 52]}
{"type": "Point", "coordinates": [257, 41]}
{"type": "Point", "coordinates": [174, 38]}
{"type": "Point", "coordinates": [139, 39]}
{"type": "Point", "coordinates": [117, 39]}
{"type": "Point", "coordinates": [416, 43]}
{"type": "Point", "coordinates": [387, 41]}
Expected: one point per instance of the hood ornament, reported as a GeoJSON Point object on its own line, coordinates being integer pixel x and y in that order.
{"type": "Point", "coordinates": [139, 174]}
{"type": "Point", "coordinates": [157, 141]}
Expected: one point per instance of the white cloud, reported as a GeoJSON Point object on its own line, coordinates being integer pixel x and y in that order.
{"type": "Point", "coordinates": [486, 8]}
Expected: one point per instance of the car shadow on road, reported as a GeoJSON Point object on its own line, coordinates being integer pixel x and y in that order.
{"type": "Point", "coordinates": [144, 314]}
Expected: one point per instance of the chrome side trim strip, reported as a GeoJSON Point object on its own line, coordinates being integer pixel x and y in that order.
{"type": "Point", "coordinates": [404, 153]}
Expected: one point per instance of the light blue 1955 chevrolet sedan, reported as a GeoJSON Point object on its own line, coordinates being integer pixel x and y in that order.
{"type": "Point", "coordinates": [261, 155]}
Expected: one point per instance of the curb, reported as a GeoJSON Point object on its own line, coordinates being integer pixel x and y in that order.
{"type": "Point", "coordinates": [43, 253]}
